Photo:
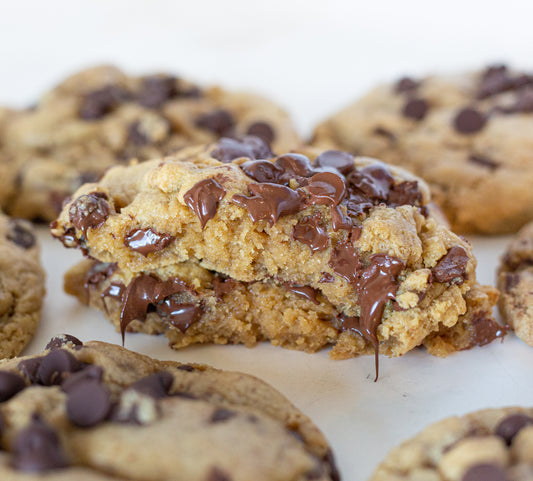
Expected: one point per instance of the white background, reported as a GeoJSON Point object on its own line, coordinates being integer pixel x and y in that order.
{"type": "Point", "coordinates": [312, 57]}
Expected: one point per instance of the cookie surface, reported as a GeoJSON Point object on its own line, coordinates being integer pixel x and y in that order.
{"type": "Point", "coordinates": [341, 251]}
{"type": "Point", "coordinates": [468, 136]}
{"type": "Point", "coordinates": [487, 445]}
{"type": "Point", "coordinates": [98, 411]}
{"type": "Point", "coordinates": [515, 282]}
{"type": "Point", "coordinates": [22, 285]}
{"type": "Point", "coordinates": [101, 117]}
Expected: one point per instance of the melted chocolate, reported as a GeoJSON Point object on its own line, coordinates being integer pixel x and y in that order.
{"type": "Point", "coordinates": [89, 211]}
{"type": "Point", "coordinates": [249, 147]}
{"type": "Point", "coordinates": [223, 286]}
{"type": "Point", "coordinates": [203, 199]}
{"type": "Point", "coordinates": [305, 292]}
{"type": "Point", "coordinates": [180, 315]}
{"type": "Point", "coordinates": [345, 261]}
{"type": "Point", "coordinates": [262, 130]}
{"type": "Point", "coordinates": [310, 232]}
{"type": "Point", "coordinates": [145, 241]}
{"type": "Point", "coordinates": [336, 159]}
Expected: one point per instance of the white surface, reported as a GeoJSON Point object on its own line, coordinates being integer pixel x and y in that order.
{"type": "Point", "coordinates": [313, 57]}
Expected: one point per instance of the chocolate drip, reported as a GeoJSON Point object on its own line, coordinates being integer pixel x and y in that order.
{"type": "Point", "coordinates": [145, 241]}
{"type": "Point", "coordinates": [203, 199]}
{"type": "Point", "coordinates": [310, 232]}
{"type": "Point", "coordinates": [452, 267]}
{"type": "Point", "coordinates": [305, 292]}
{"type": "Point", "coordinates": [143, 291]}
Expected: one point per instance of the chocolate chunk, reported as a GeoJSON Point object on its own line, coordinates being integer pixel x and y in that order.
{"type": "Point", "coordinates": [415, 109]}
{"type": "Point", "coordinates": [452, 267]}
{"type": "Point", "coordinates": [262, 171]}
{"type": "Point", "coordinates": [405, 193]}
{"type": "Point", "coordinates": [180, 315]}
{"type": "Point", "coordinates": [88, 403]}
{"type": "Point", "coordinates": [29, 368]}
{"type": "Point", "coordinates": [155, 385]}
{"type": "Point", "coordinates": [136, 136]}
{"type": "Point", "coordinates": [305, 292]}
{"type": "Point", "coordinates": [156, 90]}
{"type": "Point", "coordinates": [342, 161]}
{"type": "Point", "coordinates": [62, 340]}
{"type": "Point", "coordinates": [223, 286]}
{"type": "Point", "coordinates": [143, 291]}
{"type": "Point", "coordinates": [249, 147]}
{"type": "Point", "coordinates": [89, 211]}
{"type": "Point", "coordinates": [311, 233]}
{"type": "Point", "coordinates": [469, 121]}
{"type": "Point", "coordinates": [483, 161]}
{"type": "Point", "coordinates": [485, 330]}
{"type": "Point", "coordinates": [374, 182]}
{"type": "Point", "coordinates": [37, 448]}
{"type": "Point", "coordinates": [221, 414]}
{"type": "Point", "coordinates": [510, 426]}
{"type": "Point", "coordinates": [89, 373]}
{"type": "Point", "coordinates": [405, 84]}
{"type": "Point", "coordinates": [20, 233]}
{"type": "Point", "coordinates": [217, 474]}
{"type": "Point", "coordinates": [56, 366]}
{"type": "Point", "coordinates": [10, 384]}
{"type": "Point", "coordinates": [345, 261]}
{"type": "Point", "coordinates": [485, 472]}
{"type": "Point", "coordinates": [293, 166]}
{"type": "Point", "coordinates": [145, 241]}
{"type": "Point", "coordinates": [203, 199]}
{"type": "Point", "coordinates": [99, 103]}
{"type": "Point", "coordinates": [262, 130]}
{"type": "Point", "coordinates": [220, 122]}
{"type": "Point", "coordinates": [326, 188]}
{"type": "Point", "coordinates": [269, 202]}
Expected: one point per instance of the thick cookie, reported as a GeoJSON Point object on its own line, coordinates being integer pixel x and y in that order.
{"type": "Point", "coordinates": [101, 117]}
{"type": "Point", "coordinates": [468, 136]}
{"type": "Point", "coordinates": [97, 411]}
{"type": "Point", "coordinates": [303, 251]}
{"type": "Point", "coordinates": [21, 285]}
{"type": "Point", "coordinates": [515, 282]}
{"type": "Point", "coordinates": [488, 445]}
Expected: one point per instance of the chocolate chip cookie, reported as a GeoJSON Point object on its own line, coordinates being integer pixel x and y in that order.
{"type": "Point", "coordinates": [488, 445]}
{"type": "Point", "coordinates": [217, 244]}
{"type": "Point", "coordinates": [21, 285]}
{"type": "Point", "coordinates": [97, 411]}
{"type": "Point", "coordinates": [515, 282]}
{"type": "Point", "coordinates": [468, 136]}
{"type": "Point", "coordinates": [101, 117]}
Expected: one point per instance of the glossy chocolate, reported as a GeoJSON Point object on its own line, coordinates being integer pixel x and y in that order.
{"type": "Point", "coordinates": [452, 267]}
{"type": "Point", "coordinates": [145, 241]}
{"type": "Point", "coordinates": [203, 199]}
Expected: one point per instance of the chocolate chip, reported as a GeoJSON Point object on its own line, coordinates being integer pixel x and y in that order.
{"type": "Point", "coordinates": [89, 373]}
{"type": "Point", "coordinates": [179, 314]}
{"type": "Point", "coordinates": [221, 414]}
{"type": "Point", "coordinates": [249, 147]}
{"type": "Point", "coordinates": [510, 426]}
{"type": "Point", "coordinates": [62, 340]}
{"type": "Point", "coordinates": [37, 448]}
{"type": "Point", "coordinates": [203, 199]}
{"type": "Point", "coordinates": [29, 368]}
{"type": "Point", "coordinates": [405, 84]}
{"type": "Point", "coordinates": [217, 474]}
{"type": "Point", "coordinates": [485, 330]}
{"type": "Point", "coordinates": [186, 367]}
{"type": "Point", "coordinates": [145, 241]}
{"type": "Point", "coordinates": [485, 472]}
{"type": "Point", "coordinates": [10, 384]}
{"type": "Point", "coordinates": [262, 171]}
{"type": "Point", "coordinates": [523, 103]}
{"type": "Point", "coordinates": [262, 130]}
{"type": "Point", "coordinates": [405, 193]}
{"type": "Point", "coordinates": [56, 366]}
{"type": "Point", "coordinates": [136, 136]}
{"type": "Point", "coordinates": [99, 103]}
{"type": "Point", "coordinates": [326, 188]}
{"type": "Point", "coordinates": [373, 181]}
{"type": "Point", "coordinates": [293, 166]}
{"type": "Point", "coordinates": [483, 161]}
{"type": "Point", "coordinates": [155, 385]}
{"type": "Point", "coordinates": [305, 292]}
{"type": "Point", "coordinates": [511, 280]}
{"type": "Point", "coordinates": [223, 286]}
{"type": "Point", "coordinates": [469, 121]}
{"type": "Point", "coordinates": [20, 233]}
{"type": "Point", "coordinates": [342, 161]}
{"type": "Point", "coordinates": [156, 90]}
{"type": "Point", "coordinates": [311, 233]}
{"type": "Point", "coordinates": [269, 202]}
{"type": "Point", "coordinates": [327, 278]}
{"type": "Point", "coordinates": [345, 261]}
{"type": "Point", "coordinates": [89, 211]}
{"type": "Point", "coordinates": [220, 122]}
{"type": "Point", "coordinates": [452, 267]}
{"type": "Point", "coordinates": [415, 109]}
{"type": "Point", "coordinates": [88, 403]}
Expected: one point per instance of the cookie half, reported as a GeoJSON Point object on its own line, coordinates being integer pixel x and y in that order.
{"type": "Point", "coordinates": [344, 251]}
{"type": "Point", "coordinates": [515, 282]}
{"type": "Point", "coordinates": [467, 135]}
{"type": "Point", "coordinates": [97, 411]}
{"type": "Point", "coordinates": [22, 285]}
{"type": "Point", "coordinates": [488, 445]}
{"type": "Point", "coordinates": [101, 117]}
